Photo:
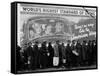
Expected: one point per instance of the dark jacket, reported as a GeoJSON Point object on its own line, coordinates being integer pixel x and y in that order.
{"type": "Point", "coordinates": [29, 51]}
{"type": "Point", "coordinates": [51, 50]}
{"type": "Point", "coordinates": [84, 52]}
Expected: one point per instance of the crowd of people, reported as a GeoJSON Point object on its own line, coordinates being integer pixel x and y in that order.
{"type": "Point", "coordinates": [56, 54]}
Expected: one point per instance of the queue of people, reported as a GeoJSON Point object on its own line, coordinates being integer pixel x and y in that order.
{"type": "Point", "coordinates": [56, 55]}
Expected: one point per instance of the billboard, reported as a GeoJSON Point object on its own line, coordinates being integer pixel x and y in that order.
{"type": "Point", "coordinates": [36, 22]}
{"type": "Point", "coordinates": [52, 37]}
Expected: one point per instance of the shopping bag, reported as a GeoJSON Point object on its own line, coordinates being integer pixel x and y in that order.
{"type": "Point", "coordinates": [55, 61]}
{"type": "Point", "coordinates": [64, 60]}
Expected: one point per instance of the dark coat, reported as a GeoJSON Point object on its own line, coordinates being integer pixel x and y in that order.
{"type": "Point", "coordinates": [29, 51]}
{"type": "Point", "coordinates": [51, 50]}
{"type": "Point", "coordinates": [43, 56]}
{"type": "Point", "coordinates": [74, 56]}
{"type": "Point", "coordinates": [68, 53]}
{"type": "Point", "coordinates": [78, 49]}
{"type": "Point", "coordinates": [36, 56]}
{"type": "Point", "coordinates": [50, 57]}
{"type": "Point", "coordinates": [63, 51]}
{"type": "Point", "coordinates": [60, 49]}
{"type": "Point", "coordinates": [94, 53]}
{"type": "Point", "coordinates": [84, 52]}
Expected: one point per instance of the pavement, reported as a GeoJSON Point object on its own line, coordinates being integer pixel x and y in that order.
{"type": "Point", "coordinates": [59, 69]}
